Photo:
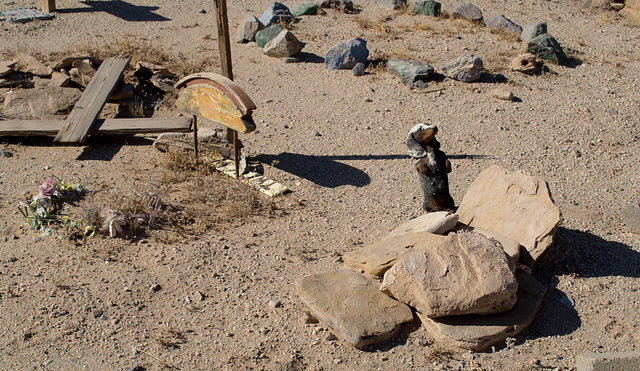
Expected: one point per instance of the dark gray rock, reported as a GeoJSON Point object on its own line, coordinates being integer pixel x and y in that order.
{"type": "Point", "coordinates": [247, 29]}
{"type": "Point", "coordinates": [427, 7]}
{"type": "Point", "coordinates": [410, 72]}
{"type": "Point", "coordinates": [347, 55]}
{"type": "Point", "coordinates": [359, 69]}
{"type": "Point", "coordinates": [276, 13]}
{"type": "Point", "coordinates": [466, 68]}
{"type": "Point", "coordinates": [392, 4]}
{"type": "Point", "coordinates": [96, 313]}
{"type": "Point", "coordinates": [344, 5]}
{"type": "Point", "coordinates": [503, 23]}
{"type": "Point", "coordinates": [265, 35]}
{"type": "Point", "coordinates": [6, 154]}
{"type": "Point", "coordinates": [547, 47]}
{"type": "Point", "coordinates": [467, 11]}
{"type": "Point", "coordinates": [532, 30]}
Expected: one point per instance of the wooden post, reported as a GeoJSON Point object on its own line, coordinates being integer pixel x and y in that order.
{"type": "Point", "coordinates": [48, 6]}
{"type": "Point", "coordinates": [227, 70]}
{"type": "Point", "coordinates": [195, 136]}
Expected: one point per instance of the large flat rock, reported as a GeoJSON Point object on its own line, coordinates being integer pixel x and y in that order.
{"type": "Point", "coordinates": [378, 257]}
{"type": "Point", "coordinates": [467, 273]}
{"type": "Point", "coordinates": [40, 103]}
{"type": "Point", "coordinates": [477, 333]}
{"type": "Point", "coordinates": [514, 205]}
{"type": "Point", "coordinates": [438, 222]}
{"type": "Point", "coordinates": [353, 307]}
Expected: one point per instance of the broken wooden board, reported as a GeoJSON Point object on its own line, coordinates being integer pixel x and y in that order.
{"type": "Point", "coordinates": [217, 99]}
{"type": "Point", "coordinates": [86, 111]}
{"type": "Point", "coordinates": [101, 126]}
{"type": "Point", "coordinates": [255, 180]}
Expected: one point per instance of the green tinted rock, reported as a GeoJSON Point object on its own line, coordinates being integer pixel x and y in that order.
{"type": "Point", "coordinates": [547, 47]}
{"type": "Point", "coordinates": [426, 7]}
{"type": "Point", "coordinates": [266, 35]}
{"type": "Point", "coordinates": [306, 9]}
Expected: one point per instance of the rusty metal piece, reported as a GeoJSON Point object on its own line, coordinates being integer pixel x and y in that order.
{"type": "Point", "coordinates": [216, 98]}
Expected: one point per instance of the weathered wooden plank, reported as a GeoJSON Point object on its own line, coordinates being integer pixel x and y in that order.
{"type": "Point", "coordinates": [102, 126]}
{"type": "Point", "coordinates": [48, 6]}
{"type": "Point", "coordinates": [86, 111]}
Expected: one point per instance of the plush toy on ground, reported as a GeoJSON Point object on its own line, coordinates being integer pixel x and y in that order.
{"type": "Point", "coordinates": [432, 165]}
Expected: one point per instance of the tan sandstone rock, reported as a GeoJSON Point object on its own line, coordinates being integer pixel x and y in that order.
{"type": "Point", "coordinates": [353, 307]}
{"type": "Point", "coordinates": [467, 273]}
{"type": "Point", "coordinates": [525, 63]}
{"type": "Point", "coordinates": [378, 257]}
{"type": "Point", "coordinates": [438, 222]}
{"type": "Point", "coordinates": [510, 246]}
{"type": "Point", "coordinates": [40, 103]}
{"type": "Point", "coordinates": [6, 67]}
{"type": "Point", "coordinates": [631, 9]}
{"type": "Point", "coordinates": [514, 205]}
{"type": "Point", "coordinates": [477, 333]}
{"type": "Point", "coordinates": [30, 64]}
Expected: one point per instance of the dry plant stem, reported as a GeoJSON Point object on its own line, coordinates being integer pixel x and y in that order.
{"type": "Point", "coordinates": [165, 364]}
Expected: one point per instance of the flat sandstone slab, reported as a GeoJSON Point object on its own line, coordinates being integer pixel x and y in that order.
{"type": "Point", "coordinates": [467, 273]}
{"type": "Point", "coordinates": [352, 307]}
{"type": "Point", "coordinates": [438, 222]}
{"type": "Point", "coordinates": [477, 333]}
{"type": "Point", "coordinates": [514, 205]}
{"type": "Point", "coordinates": [378, 257]}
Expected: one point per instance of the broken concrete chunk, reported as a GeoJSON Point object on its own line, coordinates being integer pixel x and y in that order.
{"type": "Point", "coordinates": [477, 333]}
{"type": "Point", "coordinates": [378, 257]}
{"type": "Point", "coordinates": [467, 273]}
{"type": "Point", "coordinates": [352, 307]}
{"type": "Point", "coordinates": [514, 205]}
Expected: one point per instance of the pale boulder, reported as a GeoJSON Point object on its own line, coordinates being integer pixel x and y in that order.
{"type": "Point", "coordinates": [467, 273]}
{"type": "Point", "coordinates": [40, 103]}
{"type": "Point", "coordinates": [514, 205]}
{"type": "Point", "coordinates": [378, 257]}
{"type": "Point", "coordinates": [352, 307]}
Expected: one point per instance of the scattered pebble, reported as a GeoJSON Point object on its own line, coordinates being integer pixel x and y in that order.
{"type": "Point", "coordinates": [96, 313]}
{"type": "Point", "coordinates": [155, 288]}
{"type": "Point", "coordinates": [5, 153]}
{"type": "Point", "coordinates": [275, 303]}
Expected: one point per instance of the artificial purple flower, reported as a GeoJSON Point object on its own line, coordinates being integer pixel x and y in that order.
{"type": "Point", "coordinates": [48, 188]}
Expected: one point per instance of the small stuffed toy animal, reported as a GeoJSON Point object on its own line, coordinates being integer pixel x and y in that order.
{"type": "Point", "coordinates": [432, 166]}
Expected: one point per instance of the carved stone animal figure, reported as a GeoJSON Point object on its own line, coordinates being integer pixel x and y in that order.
{"type": "Point", "coordinates": [432, 166]}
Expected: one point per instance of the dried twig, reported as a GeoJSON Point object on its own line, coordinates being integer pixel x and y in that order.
{"type": "Point", "coordinates": [165, 364]}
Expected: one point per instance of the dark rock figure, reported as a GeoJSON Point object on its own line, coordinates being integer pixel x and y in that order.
{"type": "Point", "coordinates": [432, 165]}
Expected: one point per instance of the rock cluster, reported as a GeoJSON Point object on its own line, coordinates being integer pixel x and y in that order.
{"type": "Point", "coordinates": [464, 286]}
{"type": "Point", "coordinates": [52, 90]}
{"type": "Point", "coordinates": [414, 74]}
